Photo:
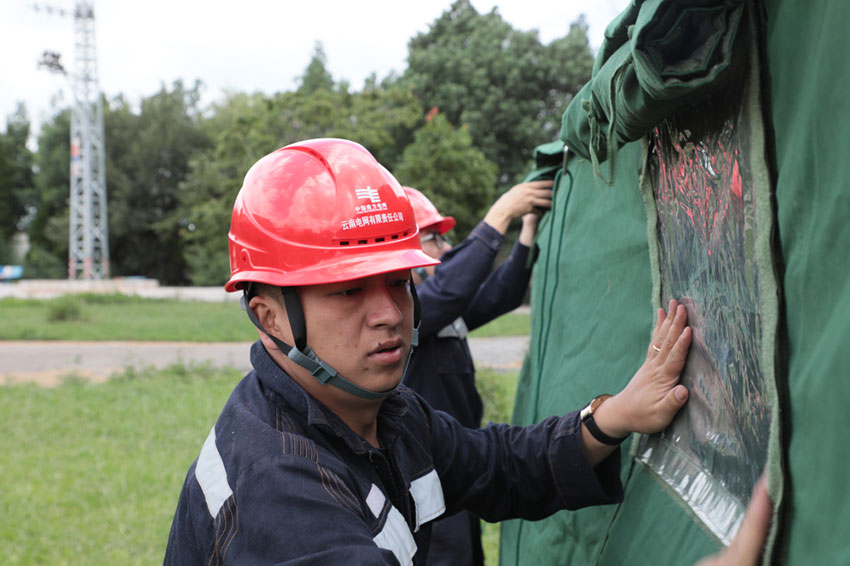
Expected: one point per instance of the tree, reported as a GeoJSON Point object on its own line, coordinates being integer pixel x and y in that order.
{"type": "Point", "coordinates": [381, 118]}
{"type": "Point", "coordinates": [246, 127]}
{"type": "Point", "coordinates": [148, 156]}
{"type": "Point", "coordinates": [508, 88]}
{"type": "Point", "coordinates": [316, 76]}
{"type": "Point", "coordinates": [443, 163]}
{"type": "Point", "coordinates": [16, 180]}
{"type": "Point", "coordinates": [573, 53]}
{"type": "Point", "coordinates": [49, 229]}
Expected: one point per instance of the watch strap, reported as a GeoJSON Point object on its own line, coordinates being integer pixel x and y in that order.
{"type": "Point", "coordinates": [593, 428]}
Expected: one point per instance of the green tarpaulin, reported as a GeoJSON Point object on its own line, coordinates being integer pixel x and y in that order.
{"type": "Point", "coordinates": [658, 56]}
{"type": "Point", "coordinates": [759, 167]}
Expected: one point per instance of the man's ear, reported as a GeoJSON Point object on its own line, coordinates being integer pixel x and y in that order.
{"type": "Point", "coordinates": [272, 317]}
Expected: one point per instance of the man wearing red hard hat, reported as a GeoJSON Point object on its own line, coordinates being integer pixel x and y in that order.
{"type": "Point", "coordinates": [320, 455]}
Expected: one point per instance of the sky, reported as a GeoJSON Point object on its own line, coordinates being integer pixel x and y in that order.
{"type": "Point", "coordinates": [259, 46]}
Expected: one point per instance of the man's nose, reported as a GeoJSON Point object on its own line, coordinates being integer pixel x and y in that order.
{"type": "Point", "coordinates": [383, 308]}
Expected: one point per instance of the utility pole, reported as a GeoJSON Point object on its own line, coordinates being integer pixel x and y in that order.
{"type": "Point", "coordinates": [88, 247]}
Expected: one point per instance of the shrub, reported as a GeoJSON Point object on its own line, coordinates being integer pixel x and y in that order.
{"type": "Point", "coordinates": [65, 309]}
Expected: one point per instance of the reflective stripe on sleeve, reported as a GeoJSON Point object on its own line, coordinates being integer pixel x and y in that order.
{"type": "Point", "coordinates": [375, 500]}
{"type": "Point", "coordinates": [427, 493]}
{"type": "Point", "coordinates": [211, 475]}
{"type": "Point", "coordinates": [395, 536]}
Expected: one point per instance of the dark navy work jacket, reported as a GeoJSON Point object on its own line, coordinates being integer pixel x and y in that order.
{"type": "Point", "coordinates": [282, 480]}
{"type": "Point", "coordinates": [441, 368]}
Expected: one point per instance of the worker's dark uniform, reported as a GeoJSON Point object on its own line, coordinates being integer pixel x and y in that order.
{"type": "Point", "coordinates": [282, 480]}
{"type": "Point", "coordinates": [462, 294]}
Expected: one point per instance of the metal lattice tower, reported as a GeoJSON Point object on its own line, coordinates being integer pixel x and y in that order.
{"type": "Point", "coordinates": [88, 247]}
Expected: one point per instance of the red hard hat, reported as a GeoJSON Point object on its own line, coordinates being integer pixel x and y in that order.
{"type": "Point", "coordinates": [427, 215]}
{"type": "Point", "coordinates": [320, 211]}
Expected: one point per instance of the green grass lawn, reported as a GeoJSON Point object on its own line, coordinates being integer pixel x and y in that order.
{"type": "Point", "coordinates": [119, 317]}
{"type": "Point", "coordinates": [497, 391]}
{"type": "Point", "coordinates": [91, 473]}
{"type": "Point", "coordinates": [511, 324]}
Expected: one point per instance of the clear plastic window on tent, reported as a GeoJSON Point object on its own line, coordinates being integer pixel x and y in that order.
{"type": "Point", "coordinates": [714, 451]}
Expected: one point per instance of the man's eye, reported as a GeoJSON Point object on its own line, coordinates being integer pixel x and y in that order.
{"type": "Point", "coordinates": [400, 282]}
{"type": "Point", "coordinates": [350, 292]}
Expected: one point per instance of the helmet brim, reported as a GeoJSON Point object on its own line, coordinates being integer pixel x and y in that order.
{"type": "Point", "coordinates": [337, 270]}
{"type": "Point", "coordinates": [443, 225]}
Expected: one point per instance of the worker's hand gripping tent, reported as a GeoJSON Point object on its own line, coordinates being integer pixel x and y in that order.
{"type": "Point", "coordinates": [316, 212]}
{"type": "Point", "coordinates": [426, 214]}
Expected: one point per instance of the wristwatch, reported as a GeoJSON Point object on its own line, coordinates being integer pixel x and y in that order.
{"type": "Point", "coordinates": [587, 418]}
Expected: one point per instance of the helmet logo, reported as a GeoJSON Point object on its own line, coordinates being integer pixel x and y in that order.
{"type": "Point", "coordinates": [372, 212]}
{"type": "Point", "coordinates": [369, 193]}
{"type": "Point", "coordinates": [374, 198]}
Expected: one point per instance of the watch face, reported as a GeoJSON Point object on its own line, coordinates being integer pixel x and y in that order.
{"type": "Point", "coordinates": [594, 404]}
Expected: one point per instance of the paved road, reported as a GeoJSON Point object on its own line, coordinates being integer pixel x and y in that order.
{"type": "Point", "coordinates": [47, 362]}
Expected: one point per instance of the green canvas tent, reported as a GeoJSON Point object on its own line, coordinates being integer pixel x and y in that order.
{"type": "Point", "coordinates": [704, 160]}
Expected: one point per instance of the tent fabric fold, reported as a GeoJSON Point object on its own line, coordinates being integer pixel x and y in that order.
{"type": "Point", "coordinates": [657, 56]}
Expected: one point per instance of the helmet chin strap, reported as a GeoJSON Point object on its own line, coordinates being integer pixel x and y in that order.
{"type": "Point", "coordinates": [304, 356]}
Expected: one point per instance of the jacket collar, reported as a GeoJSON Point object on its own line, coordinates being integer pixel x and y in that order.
{"type": "Point", "coordinates": [318, 415]}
